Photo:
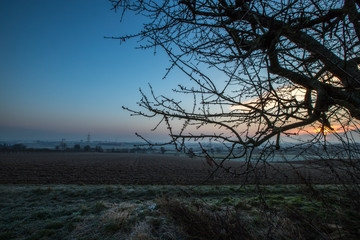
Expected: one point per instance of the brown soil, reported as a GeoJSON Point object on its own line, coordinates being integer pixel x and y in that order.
{"type": "Point", "coordinates": [115, 168]}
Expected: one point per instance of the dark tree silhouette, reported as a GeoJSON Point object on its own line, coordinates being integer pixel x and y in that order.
{"type": "Point", "coordinates": [77, 147]}
{"type": "Point", "coordinates": [162, 150]}
{"type": "Point", "coordinates": [287, 67]}
{"type": "Point", "coordinates": [262, 73]}
{"type": "Point", "coordinates": [87, 148]}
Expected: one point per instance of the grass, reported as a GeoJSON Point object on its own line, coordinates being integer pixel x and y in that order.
{"type": "Point", "coordinates": [173, 212]}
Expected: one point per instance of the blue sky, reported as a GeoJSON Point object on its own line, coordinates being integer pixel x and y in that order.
{"type": "Point", "coordinates": [59, 77]}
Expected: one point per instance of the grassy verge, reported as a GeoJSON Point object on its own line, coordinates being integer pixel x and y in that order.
{"type": "Point", "coordinates": [174, 212]}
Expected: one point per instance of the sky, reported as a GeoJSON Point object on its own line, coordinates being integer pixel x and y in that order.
{"type": "Point", "coordinates": [60, 78]}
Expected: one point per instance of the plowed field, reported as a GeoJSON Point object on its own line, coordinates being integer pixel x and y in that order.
{"type": "Point", "coordinates": [119, 168]}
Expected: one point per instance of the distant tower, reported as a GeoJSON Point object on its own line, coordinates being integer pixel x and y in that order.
{"type": "Point", "coordinates": [88, 138]}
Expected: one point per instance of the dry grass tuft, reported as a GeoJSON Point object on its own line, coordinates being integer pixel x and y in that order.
{"type": "Point", "coordinates": [200, 222]}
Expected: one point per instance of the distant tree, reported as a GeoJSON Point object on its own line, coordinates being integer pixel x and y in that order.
{"type": "Point", "coordinates": [212, 151]}
{"type": "Point", "coordinates": [99, 149]}
{"type": "Point", "coordinates": [191, 153]}
{"type": "Point", "coordinates": [4, 147]}
{"type": "Point", "coordinates": [87, 148]}
{"type": "Point", "coordinates": [162, 150]}
{"type": "Point", "coordinates": [218, 150]}
{"type": "Point", "coordinates": [18, 147]}
{"type": "Point", "coordinates": [77, 147]}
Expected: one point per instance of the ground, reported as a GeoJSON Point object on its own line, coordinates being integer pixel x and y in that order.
{"type": "Point", "coordinates": [153, 169]}
{"type": "Point", "coordinates": [148, 196]}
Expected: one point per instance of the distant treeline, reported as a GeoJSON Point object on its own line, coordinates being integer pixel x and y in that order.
{"type": "Point", "coordinates": [19, 147]}
{"type": "Point", "coordinates": [13, 148]}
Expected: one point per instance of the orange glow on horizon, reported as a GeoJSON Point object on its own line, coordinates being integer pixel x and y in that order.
{"type": "Point", "coordinates": [324, 130]}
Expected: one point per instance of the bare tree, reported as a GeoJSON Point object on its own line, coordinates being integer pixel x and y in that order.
{"type": "Point", "coordinates": [286, 68]}
{"type": "Point", "coordinates": [262, 73]}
